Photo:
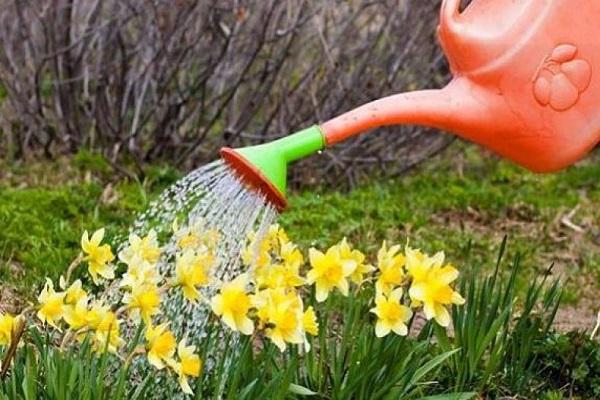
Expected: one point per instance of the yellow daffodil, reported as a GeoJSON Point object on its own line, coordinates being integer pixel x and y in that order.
{"type": "Point", "coordinates": [287, 273]}
{"type": "Point", "coordinates": [289, 276]}
{"type": "Point", "coordinates": [280, 311]}
{"type": "Point", "coordinates": [146, 248]}
{"type": "Point", "coordinates": [189, 365]}
{"type": "Point", "coordinates": [140, 273]}
{"type": "Point", "coordinates": [189, 241]}
{"type": "Point", "coordinates": [390, 265]}
{"type": "Point", "coordinates": [329, 271]}
{"type": "Point", "coordinates": [105, 326]}
{"type": "Point", "coordinates": [431, 288]}
{"type": "Point", "coordinates": [352, 255]}
{"type": "Point", "coordinates": [309, 322]}
{"type": "Point", "coordinates": [161, 346]}
{"type": "Point", "coordinates": [286, 326]}
{"type": "Point", "coordinates": [260, 251]}
{"type": "Point", "coordinates": [73, 293]}
{"type": "Point", "coordinates": [107, 333]}
{"type": "Point", "coordinates": [310, 326]}
{"type": "Point", "coordinates": [232, 305]}
{"type": "Point", "coordinates": [279, 276]}
{"type": "Point", "coordinates": [256, 255]}
{"type": "Point", "coordinates": [187, 238]}
{"type": "Point", "coordinates": [196, 237]}
{"type": "Point", "coordinates": [291, 256]}
{"type": "Point", "coordinates": [277, 237]}
{"type": "Point", "coordinates": [191, 272]}
{"type": "Point", "coordinates": [143, 301]}
{"type": "Point", "coordinates": [97, 312]}
{"type": "Point", "coordinates": [418, 263]}
{"type": "Point", "coordinates": [391, 315]}
{"type": "Point", "coordinates": [260, 301]}
{"type": "Point", "coordinates": [76, 315]}
{"type": "Point", "coordinates": [98, 256]}
{"type": "Point", "coordinates": [263, 278]}
{"type": "Point", "coordinates": [7, 324]}
{"type": "Point", "coordinates": [51, 304]}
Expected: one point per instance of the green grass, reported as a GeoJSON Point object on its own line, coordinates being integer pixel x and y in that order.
{"type": "Point", "coordinates": [42, 222]}
{"type": "Point", "coordinates": [440, 206]}
{"type": "Point", "coordinates": [42, 226]}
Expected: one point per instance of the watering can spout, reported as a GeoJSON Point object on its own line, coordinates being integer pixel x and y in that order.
{"type": "Point", "coordinates": [453, 109]}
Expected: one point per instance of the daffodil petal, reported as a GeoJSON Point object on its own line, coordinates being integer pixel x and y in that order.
{"type": "Point", "coordinates": [97, 237]}
{"type": "Point", "coordinates": [448, 274]}
{"type": "Point", "coordinates": [277, 339]}
{"type": "Point", "coordinates": [229, 320]}
{"type": "Point", "coordinates": [442, 316]}
{"type": "Point", "coordinates": [343, 287]}
{"type": "Point", "coordinates": [246, 326]}
{"type": "Point", "coordinates": [400, 329]}
{"type": "Point", "coordinates": [216, 304]}
{"type": "Point", "coordinates": [417, 292]}
{"type": "Point", "coordinates": [315, 256]}
{"type": "Point", "coordinates": [321, 293]}
{"type": "Point", "coordinates": [429, 310]}
{"type": "Point", "coordinates": [348, 267]}
{"type": "Point", "coordinates": [407, 313]}
{"type": "Point", "coordinates": [381, 329]}
{"type": "Point", "coordinates": [190, 293]}
{"type": "Point", "coordinates": [396, 294]}
{"type": "Point", "coordinates": [155, 361]}
{"type": "Point", "coordinates": [185, 386]}
{"type": "Point", "coordinates": [457, 298]}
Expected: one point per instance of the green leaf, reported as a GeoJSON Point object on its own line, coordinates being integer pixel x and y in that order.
{"type": "Point", "coordinates": [431, 364]}
{"type": "Point", "coordinates": [301, 390]}
{"type": "Point", "coordinates": [141, 388]}
{"type": "Point", "coordinates": [451, 396]}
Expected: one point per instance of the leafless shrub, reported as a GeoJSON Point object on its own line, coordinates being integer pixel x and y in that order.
{"type": "Point", "coordinates": [175, 80]}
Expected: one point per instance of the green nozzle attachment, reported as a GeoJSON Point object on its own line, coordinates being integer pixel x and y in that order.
{"type": "Point", "coordinates": [271, 159]}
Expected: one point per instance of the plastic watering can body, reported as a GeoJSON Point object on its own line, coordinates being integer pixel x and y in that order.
{"type": "Point", "coordinates": [526, 85]}
{"type": "Point", "coordinates": [523, 85]}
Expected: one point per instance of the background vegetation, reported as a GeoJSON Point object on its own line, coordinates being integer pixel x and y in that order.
{"type": "Point", "coordinates": [155, 80]}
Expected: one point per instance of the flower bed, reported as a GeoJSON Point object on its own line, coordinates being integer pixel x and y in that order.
{"type": "Point", "coordinates": [335, 326]}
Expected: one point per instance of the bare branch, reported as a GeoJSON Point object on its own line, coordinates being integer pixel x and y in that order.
{"type": "Point", "coordinates": [175, 80]}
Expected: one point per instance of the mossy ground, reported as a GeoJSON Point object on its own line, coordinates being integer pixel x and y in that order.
{"type": "Point", "coordinates": [462, 199]}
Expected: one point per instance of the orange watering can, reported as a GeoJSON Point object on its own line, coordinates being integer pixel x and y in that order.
{"type": "Point", "coordinates": [526, 85]}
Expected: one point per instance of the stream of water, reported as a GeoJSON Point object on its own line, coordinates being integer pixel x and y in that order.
{"type": "Point", "coordinates": [211, 198]}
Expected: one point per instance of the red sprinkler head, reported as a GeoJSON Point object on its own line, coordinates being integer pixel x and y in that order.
{"type": "Point", "coordinates": [252, 176]}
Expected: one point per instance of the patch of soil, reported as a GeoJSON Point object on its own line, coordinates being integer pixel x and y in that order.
{"type": "Point", "coordinates": [10, 300]}
{"type": "Point", "coordinates": [580, 317]}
